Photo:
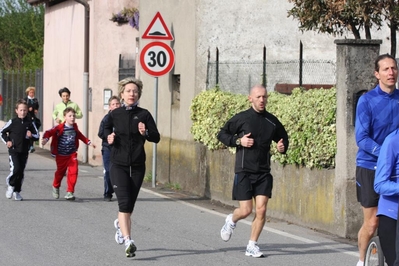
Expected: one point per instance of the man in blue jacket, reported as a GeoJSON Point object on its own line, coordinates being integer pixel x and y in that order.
{"type": "Point", "coordinates": [377, 115]}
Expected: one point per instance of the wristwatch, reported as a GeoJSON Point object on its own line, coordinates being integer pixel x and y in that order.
{"type": "Point", "coordinates": [238, 142]}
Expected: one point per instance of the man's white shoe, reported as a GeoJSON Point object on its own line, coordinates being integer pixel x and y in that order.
{"type": "Point", "coordinates": [17, 196]}
{"type": "Point", "coordinates": [9, 192]}
{"type": "Point", "coordinates": [253, 251]}
{"type": "Point", "coordinates": [228, 228]}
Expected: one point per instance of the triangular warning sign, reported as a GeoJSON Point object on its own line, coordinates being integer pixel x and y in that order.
{"type": "Point", "coordinates": [157, 29]}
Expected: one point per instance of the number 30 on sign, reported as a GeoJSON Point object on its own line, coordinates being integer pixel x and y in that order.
{"type": "Point", "coordinates": [157, 58]}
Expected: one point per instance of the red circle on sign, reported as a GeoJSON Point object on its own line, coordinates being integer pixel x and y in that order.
{"type": "Point", "coordinates": [157, 58]}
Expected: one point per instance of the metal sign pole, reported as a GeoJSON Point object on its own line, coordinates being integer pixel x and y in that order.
{"type": "Point", "coordinates": [154, 145]}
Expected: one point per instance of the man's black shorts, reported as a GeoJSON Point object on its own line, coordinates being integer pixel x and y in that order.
{"type": "Point", "coordinates": [366, 194]}
{"type": "Point", "coordinates": [247, 185]}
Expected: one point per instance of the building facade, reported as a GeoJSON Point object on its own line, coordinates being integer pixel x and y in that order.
{"type": "Point", "coordinates": [239, 30]}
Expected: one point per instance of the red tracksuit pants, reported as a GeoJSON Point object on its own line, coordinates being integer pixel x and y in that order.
{"type": "Point", "coordinates": [64, 163]}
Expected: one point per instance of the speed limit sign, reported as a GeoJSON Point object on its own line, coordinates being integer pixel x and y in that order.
{"type": "Point", "coordinates": [157, 58]}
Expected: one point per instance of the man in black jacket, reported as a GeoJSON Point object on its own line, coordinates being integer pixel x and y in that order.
{"type": "Point", "coordinates": [252, 132]}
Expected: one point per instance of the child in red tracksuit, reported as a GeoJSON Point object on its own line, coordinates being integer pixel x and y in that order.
{"type": "Point", "coordinates": [64, 147]}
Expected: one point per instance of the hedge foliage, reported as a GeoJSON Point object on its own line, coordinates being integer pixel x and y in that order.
{"type": "Point", "coordinates": [210, 110]}
{"type": "Point", "coordinates": [308, 116]}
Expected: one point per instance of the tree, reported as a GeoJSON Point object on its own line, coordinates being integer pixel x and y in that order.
{"type": "Point", "coordinates": [337, 16]}
{"type": "Point", "coordinates": [391, 12]}
{"type": "Point", "coordinates": [21, 35]}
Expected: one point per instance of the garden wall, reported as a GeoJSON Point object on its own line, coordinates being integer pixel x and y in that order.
{"type": "Point", "coordinates": [300, 195]}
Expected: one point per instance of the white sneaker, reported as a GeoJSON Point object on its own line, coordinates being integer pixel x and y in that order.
{"type": "Point", "coordinates": [69, 196]}
{"type": "Point", "coordinates": [118, 235]}
{"type": "Point", "coordinates": [227, 228]}
{"type": "Point", "coordinates": [9, 192]}
{"type": "Point", "coordinates": [56, 193]}
{"type": "Point", "coordinates": [253, 251]}
{"type": "Point", "coordinates": [17, 196]}
{"type": "Point", "coordinates": [130, 248]}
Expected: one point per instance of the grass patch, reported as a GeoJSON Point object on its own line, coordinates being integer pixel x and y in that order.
{"type": "Point", "coordinates": [148, 177]}
{"type": "Point", "coordinates": [174, 186]}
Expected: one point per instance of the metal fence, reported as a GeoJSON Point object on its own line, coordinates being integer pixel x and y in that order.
{"type": "Point", "coordinates": [12, 88]}
{"type": "Point", "coordinates": [240, 76]}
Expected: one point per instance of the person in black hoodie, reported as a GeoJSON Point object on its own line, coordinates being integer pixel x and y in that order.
{"type": "Point", "coordinates": [16, 134]}
{"type": "Point", "coordinates": [127, 129]}
{"type": "Point", "coordinates": [252, 132]}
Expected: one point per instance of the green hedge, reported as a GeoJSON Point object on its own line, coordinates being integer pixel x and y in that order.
{"type": "Point", "coordinates": [308, 116]}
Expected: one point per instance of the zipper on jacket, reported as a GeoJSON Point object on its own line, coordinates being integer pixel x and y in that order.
{"type": "Point", "coordinates": [130, 139]}
{"type": "Point", "coordinates": [242, 158]}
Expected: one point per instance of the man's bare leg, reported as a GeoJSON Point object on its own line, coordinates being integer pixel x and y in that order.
{"type": "Point", "coordinates": [367, 231]}
{"type": "Point", "coordinates": [243, 211]}
{"type": "Point", "coordinates": [260, 217]}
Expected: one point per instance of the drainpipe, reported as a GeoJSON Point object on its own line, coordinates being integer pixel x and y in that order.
{"type": "Point", "coordinates": [85, 75]}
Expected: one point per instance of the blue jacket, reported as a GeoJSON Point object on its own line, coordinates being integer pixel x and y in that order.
{"type": "Point", "coordinates": [386, 181]}
{"type": "Point", "coordinates": [377, 115]}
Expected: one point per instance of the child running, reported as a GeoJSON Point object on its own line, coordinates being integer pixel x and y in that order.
{"type": "Point", "coordinates": [17, 135]}
{"type": "Point", "coordinates": [65, 95]}
{"type": "Point", "coordinates": [113, 103]}
{"type": "Point", "coordinates": [64, 147]}
{"type": "Point", "coordinates": [33, 111]}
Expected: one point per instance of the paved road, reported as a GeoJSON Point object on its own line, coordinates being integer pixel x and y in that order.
{"type": "Point", "coordinates": [169, 228]}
